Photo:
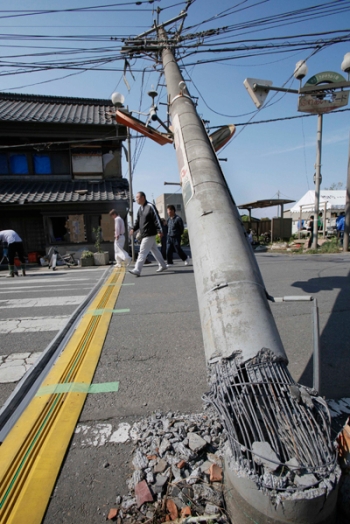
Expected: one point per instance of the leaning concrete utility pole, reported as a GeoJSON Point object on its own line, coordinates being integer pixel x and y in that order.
{"type": "Point", "coordinates": [280, 462]}
{"type": "Point", "coordinates": [222, 258]}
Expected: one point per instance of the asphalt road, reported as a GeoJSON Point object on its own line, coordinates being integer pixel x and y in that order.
{"type": "Point", "coordinates": [327, 278]}
{"type": "Point", "coordinates": [156, 353]}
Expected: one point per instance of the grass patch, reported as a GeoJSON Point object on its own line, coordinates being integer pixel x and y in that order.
{"type": "Point", "coordinates": [328, 247]}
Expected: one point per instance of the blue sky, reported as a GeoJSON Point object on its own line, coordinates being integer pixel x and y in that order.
{"type": "Point", "coordinates": [263, 159]}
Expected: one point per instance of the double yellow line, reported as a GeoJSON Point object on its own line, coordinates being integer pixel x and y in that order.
{"type": "Point", "coordinates": [33, 451]}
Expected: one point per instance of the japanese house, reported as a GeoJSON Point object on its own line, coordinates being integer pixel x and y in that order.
{"type": "Point", "coordinates": [60, 170]}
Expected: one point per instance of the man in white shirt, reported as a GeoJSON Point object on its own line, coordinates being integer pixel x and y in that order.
{"type": "Point", "coordinates": [14, 245]}
{"type": "Point", "coordinates": [119, 240]}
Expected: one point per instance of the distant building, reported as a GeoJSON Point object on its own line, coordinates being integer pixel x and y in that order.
{"type": "Point", "coordinates": [332, 203]}
{"type": "Point", "coordinates": [176, 200]}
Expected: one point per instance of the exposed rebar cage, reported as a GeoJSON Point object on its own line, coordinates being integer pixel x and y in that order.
{"type": "Point", "coordinates": [259, 402]}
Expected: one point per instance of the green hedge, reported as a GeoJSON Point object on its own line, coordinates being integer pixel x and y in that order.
{"type": "Point", "coordinates": [185, 241]}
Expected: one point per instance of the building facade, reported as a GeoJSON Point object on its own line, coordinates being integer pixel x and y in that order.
{"type": "Point", "coordinates": [60, 171]}
{"type": "Point", "coordinates": [176, 200]}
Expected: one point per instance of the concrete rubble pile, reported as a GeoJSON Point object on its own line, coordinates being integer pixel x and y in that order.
{"type": "Point", "coordinates": [177, 470]}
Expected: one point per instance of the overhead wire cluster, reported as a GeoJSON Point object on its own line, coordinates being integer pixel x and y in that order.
{"type": "Point", "coordinates": [228, 36]}
{"type": "Point", "coordinates": [43, 51]}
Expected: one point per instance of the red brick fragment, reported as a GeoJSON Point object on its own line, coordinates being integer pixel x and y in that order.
{"type": "Point", "coordinates": [215, 473]}
{"type": "Point", "coordinates": [152, 457]}
{"type": "Point", "coordinates": [142, 493]}
{"type": "Point", "coordinates": [186, 511]}
{"type": "Point", "coordinates": [112, 515]}
{"type": "Point", "coordinates": [171, 507]}
{"type": "Point", "coordinates": [343, 440]}
{"type": "Point", "coordinates": [181, 464]}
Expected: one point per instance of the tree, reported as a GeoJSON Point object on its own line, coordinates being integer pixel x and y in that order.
{"type": "Point", "coordinates": [335, 186]}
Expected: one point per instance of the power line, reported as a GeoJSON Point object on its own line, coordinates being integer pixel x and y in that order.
{"type": "Point", "coordinates": [93, 9]}
{"type": "Point", "coordinates": [48, 144]}
{"type": "Point", "coordinates": [285, 118]}
{"type": "Point", "coordinates": [217, 44]}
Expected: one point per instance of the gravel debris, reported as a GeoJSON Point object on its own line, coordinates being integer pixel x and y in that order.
{"type": "Point", "coordinates": [172, 460]}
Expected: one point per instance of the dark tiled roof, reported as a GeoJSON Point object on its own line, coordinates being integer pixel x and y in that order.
{"type": "Point", "coordinates": [46, 192]}
{"type": "Point", "coordinates": [55, 109]}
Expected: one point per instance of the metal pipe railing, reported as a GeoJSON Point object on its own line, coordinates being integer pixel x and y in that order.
{"type": "Point", "coordinates": [316, 333]}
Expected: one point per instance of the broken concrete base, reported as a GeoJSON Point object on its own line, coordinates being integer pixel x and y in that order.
{"type": "Point", "coordinates": [246, 503]}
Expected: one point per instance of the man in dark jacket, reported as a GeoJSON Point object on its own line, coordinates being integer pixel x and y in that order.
{"type": "Point", "coordinates": [175, 230]}
{"type": "Point", "coordinates": [310, 227]}
{"type": "Point", "coordinates": [149, 224]}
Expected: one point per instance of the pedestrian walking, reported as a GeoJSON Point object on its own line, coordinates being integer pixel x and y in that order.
{"type": "Point", "coordinates": [340, 224]}
{"type": "Point", "coordinates": [14, 245]}
{"type": "Point", "coordinates": [175, 230]}
{"type": "Point", "coordinates": [120, 254]}
{"type": "Point", "coordinates": [149, 224]}
{"type": "Point", "coordinates": [250, 236]}
{"type": "Point", "coordinates": [310, 227]}
{"type": "Point", "coordinates": [164, 237]}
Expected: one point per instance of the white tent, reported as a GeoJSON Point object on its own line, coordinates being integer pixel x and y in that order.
{"type": "Point", "coordinates": [333, 199]}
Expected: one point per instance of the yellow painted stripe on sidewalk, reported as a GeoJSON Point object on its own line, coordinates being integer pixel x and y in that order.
{"type": "Point", "coordinates": [32, 453]}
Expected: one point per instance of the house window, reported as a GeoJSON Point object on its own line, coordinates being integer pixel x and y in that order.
{"type": "Point", "coordinates": [19, 164]}
{"type": "Point", "coordinates": [4, 168]}
{"type": "Point", "coordinates": [107, 227]}
{"type": "Point", "coordinates": [60, 162]}
{"type": "Point", "coordinates": [57, 229]}
{"type": "Point", "coordinates": [75, 226]}
{"type": "Point", "coordinates": [52, 162]}
{"type": "Point", "coordinates": [87, 161]}
{"type": "Point", "coordinates": [106, 223]}
{"type": "Point", "coordinates": [27, 163]}
{"type": "Point", "coordinates": [42, 164]}
{"type": "Point", "coordinates": [69, 228]}
{"type": "Point", "coordinates": [178, 207]}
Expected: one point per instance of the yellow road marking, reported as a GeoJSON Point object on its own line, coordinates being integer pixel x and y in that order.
{"type": "Point", "coordinates": [33, 451]}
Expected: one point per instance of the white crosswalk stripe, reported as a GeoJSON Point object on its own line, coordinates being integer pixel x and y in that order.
{"type": "Point", "coordinates": [27, 325]}
{"type": "Point", "coordinates": [24, 327]}
{"type": "Point", "coordinates": [41, 302]}
{"type": "Point", "coordinates": [61, 288]}
{"type": "Point", "coordinates": [37, 286]}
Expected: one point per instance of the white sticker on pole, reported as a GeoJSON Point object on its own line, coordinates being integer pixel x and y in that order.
{"type": "Point", "coordinates": [185, 175]}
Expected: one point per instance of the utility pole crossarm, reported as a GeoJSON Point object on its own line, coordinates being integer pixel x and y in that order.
{"type": "Point", "coordinates": [160, 26]}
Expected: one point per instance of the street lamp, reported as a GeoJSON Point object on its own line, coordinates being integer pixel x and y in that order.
{"type": "Point", "coordinates": [345, 65]}
{"type": "Point", "coordinates": [300, 70]}
{"type": "Point", "coordinates": [117, 99]}
{"type": "Point", "coordinates": [322, 93]}
{"type": "Point", "coordinates": [118, 102]}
